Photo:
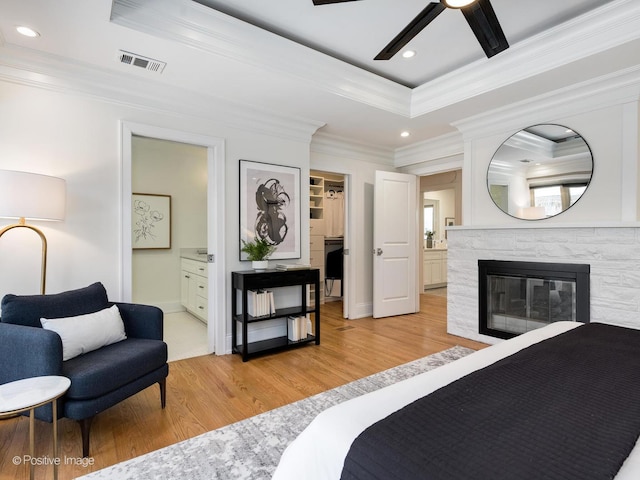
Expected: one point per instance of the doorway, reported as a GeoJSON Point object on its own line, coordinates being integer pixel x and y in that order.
{"type": "Point", "coordinates": [214, 239]}
{"type": "Point", "coordinates": [176, 172]}
{"type": "Point", "coordinates": [328, 225]}
{"type": "Point", "coordinates": [441, 196]}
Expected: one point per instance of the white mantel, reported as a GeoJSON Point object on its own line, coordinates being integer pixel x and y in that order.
{"type": "Point", "coordinates": [612, 251]}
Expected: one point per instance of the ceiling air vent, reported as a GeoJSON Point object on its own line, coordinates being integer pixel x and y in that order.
{"type": "Point", "coordinates": [136, 60]}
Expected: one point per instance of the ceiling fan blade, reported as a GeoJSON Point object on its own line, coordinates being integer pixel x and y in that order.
{"type": "Point", "coordinates": [424, 18]}
{"type": "Point", "coordinates": [327, 2]}
{"type": "Point", "coordinates": [485, 25]}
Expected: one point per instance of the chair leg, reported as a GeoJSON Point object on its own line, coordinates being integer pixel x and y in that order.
{"type": "Point", "coordinates": [163, 392]}
{"type": "Point", "coordinates": [85, 427]}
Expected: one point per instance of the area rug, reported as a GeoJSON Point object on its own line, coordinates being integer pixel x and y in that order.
{"type": "Point", "coordinates": [251, 448]}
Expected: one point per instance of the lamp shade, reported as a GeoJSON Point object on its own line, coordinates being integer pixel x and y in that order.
{"type": "Point", "coordinates": [31, 196]}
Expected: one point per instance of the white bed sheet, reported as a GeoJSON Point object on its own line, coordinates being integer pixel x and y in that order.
{"type": "Point", "coordinates": [319, 451]}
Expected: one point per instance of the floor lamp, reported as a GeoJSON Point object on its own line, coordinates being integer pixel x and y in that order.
{"type": "Point", "coordinates": [35, 197]}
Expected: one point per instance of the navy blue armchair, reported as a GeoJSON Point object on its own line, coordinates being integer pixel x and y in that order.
{"type": "Point", "coordinates": [100, 378]}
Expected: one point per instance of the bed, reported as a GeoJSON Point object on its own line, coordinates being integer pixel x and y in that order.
{"type": "Point", "coordinates": [323, 449]}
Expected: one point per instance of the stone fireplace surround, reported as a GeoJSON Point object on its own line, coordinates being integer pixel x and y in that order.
{"type": "Point", "coordinates": [612, 251]}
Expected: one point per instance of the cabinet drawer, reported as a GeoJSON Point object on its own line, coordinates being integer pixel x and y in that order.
{"type": "Point", "coordinates": [316, 243]}
{"type": "Point", "coordinates": [199, 268]}
{"type": "Point", "coordinates": [201, 307]}
{"type": "Point", "coordinates": [201, 287]}
{"type": "Point", "coordinates": [432, 255]}
{"type": "Point", "coordinates": [316, 227]}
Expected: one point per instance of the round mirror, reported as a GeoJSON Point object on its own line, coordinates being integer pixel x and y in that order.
{"type": "Point", "coordinates": [540, 172]}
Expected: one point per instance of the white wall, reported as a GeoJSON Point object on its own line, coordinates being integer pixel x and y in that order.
{"type": "Point", "coordinates": [75, 139]}
{"type": "Point", "coordinates": [601, 128]}
{"type": "Point", "coordinates": [179, 170]}
{"type": "Point", "coordinates": [78, 138]}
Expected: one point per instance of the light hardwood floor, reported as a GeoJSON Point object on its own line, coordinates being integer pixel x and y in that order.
{"type": "Point", "coordinates": [208, 392]}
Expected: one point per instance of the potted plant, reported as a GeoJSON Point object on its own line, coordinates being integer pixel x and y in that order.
{"type": "Point", "coordinates": [258, 251]}
{"type": "Point", "coordinates": [429, 235]}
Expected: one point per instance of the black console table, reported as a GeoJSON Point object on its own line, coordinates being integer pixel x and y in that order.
{"type": "Point", "coordinates": [270, 279]}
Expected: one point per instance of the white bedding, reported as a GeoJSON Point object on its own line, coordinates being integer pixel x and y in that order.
{"type": "Point", "coordinates": [320, 450]}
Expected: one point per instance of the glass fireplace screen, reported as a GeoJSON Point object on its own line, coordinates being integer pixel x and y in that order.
{"type": "Point", "coordinates": [517, 305]}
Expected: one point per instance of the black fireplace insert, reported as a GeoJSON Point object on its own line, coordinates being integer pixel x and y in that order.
{"type": "Point", "coordinates": [516, 297]}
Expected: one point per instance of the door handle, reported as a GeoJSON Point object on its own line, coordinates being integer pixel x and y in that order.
{"type": "Point", "coordinates": [378, 251]}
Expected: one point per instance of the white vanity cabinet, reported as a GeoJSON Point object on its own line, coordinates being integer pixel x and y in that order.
{"type": "Point", "coordinates": [434, 268]}
{"type": "Point", "coordinates": [194, 287]}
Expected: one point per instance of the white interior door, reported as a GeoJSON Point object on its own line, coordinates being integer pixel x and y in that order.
{"type": "Point", "coordinates": [395, 262]}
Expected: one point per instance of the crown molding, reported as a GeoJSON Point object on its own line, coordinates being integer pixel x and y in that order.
{"type": "Point", "coordinates": [60, 74]}
{"type": "Point", "coordinates": [441, 147]}
{"type": "Point", "coordinates": [213, 32]}
{"type": "Point", "coordinates": [337, 146]}
{"type": "Point", "coordinates": [613, 89]}
{"type": "Point", "coordinates": [611, 25]}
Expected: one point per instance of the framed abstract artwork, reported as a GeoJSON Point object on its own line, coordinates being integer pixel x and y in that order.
{"type": "Point", "coordinates": [150, 221]}
{"type": "Point", "coordinates": [270, 207]}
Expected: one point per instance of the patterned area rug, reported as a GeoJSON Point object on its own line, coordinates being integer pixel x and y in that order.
{"type": "Point", "coordinates": [251, 448]}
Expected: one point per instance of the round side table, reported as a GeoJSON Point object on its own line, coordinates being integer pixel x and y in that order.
{"type": "Point", "coordinates": [29, 394]}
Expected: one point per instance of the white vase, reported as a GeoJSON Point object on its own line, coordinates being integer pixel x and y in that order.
{"type": "Point", "coordinates": [260, 265]}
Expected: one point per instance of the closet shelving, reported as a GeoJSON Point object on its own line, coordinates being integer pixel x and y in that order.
{"type": "Point", "coordinates": [316, 230]}
{"type": "Point", "coordinates": [316, 197]}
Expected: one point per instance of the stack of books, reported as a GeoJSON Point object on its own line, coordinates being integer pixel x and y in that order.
{"type": "Point", "coordinates": [298, 328]}
{"type": "Point", "coordinates": [260, 303]}
{"type": "Point", "coordinates": [283, 267]}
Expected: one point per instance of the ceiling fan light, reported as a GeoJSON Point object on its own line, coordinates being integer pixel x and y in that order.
{"type": "Point", "coordinates": [457, 3]}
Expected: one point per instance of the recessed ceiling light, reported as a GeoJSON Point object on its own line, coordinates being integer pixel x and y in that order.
{"type": "Point", "coordinates": [409, 53]}
{"type": "Point", "coordinates": [405, 134]}
{"type": "Point", "coordinates": [27, 31]}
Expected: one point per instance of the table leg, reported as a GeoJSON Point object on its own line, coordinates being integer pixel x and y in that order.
{"type": "Point", "coordinates": [54, 407]}
{"type": "Point", "coordinates": [32, 442]}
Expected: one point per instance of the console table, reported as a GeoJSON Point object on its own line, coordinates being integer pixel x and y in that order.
{"type": "Point", "coordinates": [272, 279]}
{"type": "Point", "coordinates": [29, 394]}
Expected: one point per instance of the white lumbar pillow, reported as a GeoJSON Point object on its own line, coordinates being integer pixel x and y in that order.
{"type": "Point", "coordinates": [84, 333]}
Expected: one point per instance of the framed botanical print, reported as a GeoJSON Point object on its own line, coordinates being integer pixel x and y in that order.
{"type": "Point", "coordinates": [150, 221]}
{"type": "Point", "coordinates": [270, 207]}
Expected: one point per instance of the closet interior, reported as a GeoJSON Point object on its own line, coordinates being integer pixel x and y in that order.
{"type": "Point", "coordinates": [326, 210]}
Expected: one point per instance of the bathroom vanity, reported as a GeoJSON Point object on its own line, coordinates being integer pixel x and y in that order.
{"type": "Point", "coordinates": [434, 268]}
{"type": "Point", "coordinates": [194, 282]}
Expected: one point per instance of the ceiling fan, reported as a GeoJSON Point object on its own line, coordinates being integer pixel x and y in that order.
{"type": "Point", "coordinates": [479, 15]}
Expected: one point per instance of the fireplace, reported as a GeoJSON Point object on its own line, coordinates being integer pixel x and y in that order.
{"type": "Point", "coordinates": [516, 297]}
